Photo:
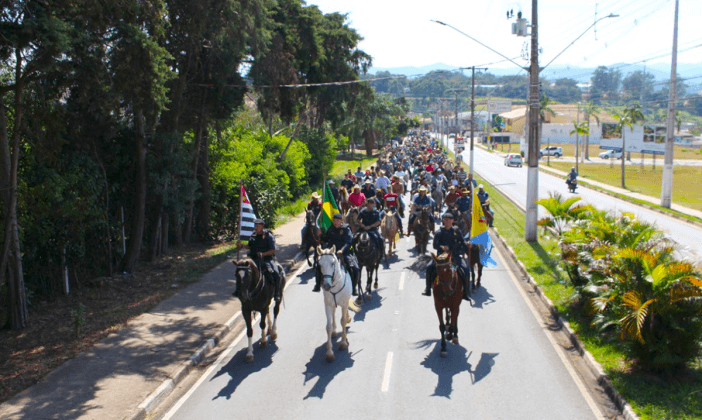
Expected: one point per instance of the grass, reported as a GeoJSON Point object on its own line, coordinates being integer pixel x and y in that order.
{"type": "Point", "coordinates": [687, 190]}
{"type": "Point", "coordinates": [650, 396]}
{"type": "Point", "coordinates": [681, 152]}
{"type": "Point", "coordinates": [350, 162]}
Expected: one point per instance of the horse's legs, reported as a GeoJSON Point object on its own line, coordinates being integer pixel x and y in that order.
{"type": "Point", "coordinates": [369, 281]}
{"type": "Point", "coordinates": [330, 315]}
{"type": "Point", "coordinates": [442, 329]}
{"type": "Point", "coordinates": [264, 337]}
{"type": "Point", "coordinates": [480, 274]}
{"type": "Point", "coordinates": [454, 323]}
{"type": "Point", "coordinates": [273, 329]}
{"type": "Point", "coordinates": [376, 275]}
{"type": "Point", "coordinates": [249, 335]}
{"type": "Point", "coordinates": [344, 320]}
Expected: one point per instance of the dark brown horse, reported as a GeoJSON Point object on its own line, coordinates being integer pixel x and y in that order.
{"type": "Point", "coordinates": [422, 227]}
{"type": "Point", "coordinates": [255, 294]}
{"type": "Point", "coordinates": [448, 295]}
{"type": "Point", "coordinates": [311, 239]}
{"type": "Point", "coordinates": [473, 254]}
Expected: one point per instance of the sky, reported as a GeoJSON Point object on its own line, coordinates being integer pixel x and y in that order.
{"type": "Point", "coordinates": [401, 33]}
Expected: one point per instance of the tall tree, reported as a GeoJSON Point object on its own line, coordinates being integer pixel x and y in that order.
{"type": "Point", "coordinates": [590, 110]}
{"type": "Point", "coordinates": [605, 84]}
{"type": "Point", "coordinates": [627, 118]}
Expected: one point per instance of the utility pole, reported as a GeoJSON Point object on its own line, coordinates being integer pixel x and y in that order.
{"type": "Point", "coordinates": [458, 124]}
{"type": "Point", "coordinates": [530, 226]}
{"type": "Point", "coordinates": [667, 181]}
{"type": "Point", "coordinates": [472, 113]}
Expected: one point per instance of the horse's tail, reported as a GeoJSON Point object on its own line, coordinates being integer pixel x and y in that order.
{"type": "Point", "coordinates": [352, 306]}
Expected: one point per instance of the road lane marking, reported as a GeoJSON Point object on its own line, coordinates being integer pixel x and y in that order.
{"type": "Point", "coordinates": [402, 281]}
{"type": "Point", "coordinates": [174, 409]}
{"type": "Point", "coordinates": [558, 348]}
{"type": "Point", "coordinates": [386, 375]}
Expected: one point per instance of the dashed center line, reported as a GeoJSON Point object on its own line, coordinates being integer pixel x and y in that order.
{"type": "Point", "coordinates": [402, 281]}
{"type": "Point", "coordinates": [386, 375]}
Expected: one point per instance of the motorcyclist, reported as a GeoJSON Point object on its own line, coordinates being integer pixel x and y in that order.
{"type": "Point", "coordinates": [572, 177]}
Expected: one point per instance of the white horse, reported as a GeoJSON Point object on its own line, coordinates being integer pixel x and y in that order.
{"type": "Point", "coordinates": [336, 283]}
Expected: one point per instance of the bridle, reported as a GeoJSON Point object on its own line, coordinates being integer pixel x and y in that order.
{"type": "Point", "coordinates": [332, 276]}
{"type": "Point", "coordinates": [445, 266]}
{"type": "Point", "coordinates": [249, 266]}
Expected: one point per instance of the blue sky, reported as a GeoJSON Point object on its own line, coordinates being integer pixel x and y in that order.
{"type": "Point", "coordinates": [401, 33]}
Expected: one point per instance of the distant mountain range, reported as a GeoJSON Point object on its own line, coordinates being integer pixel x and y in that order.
{"type": "Point", "coordinates": [661, 71]}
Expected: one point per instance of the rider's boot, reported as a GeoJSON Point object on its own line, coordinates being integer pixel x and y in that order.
{"type": "Point", "coordinates": [466, 294]}
{"type": "Point", "coordinates": [427, 289]}
{"type": "Point", "coordinates": [317, 281]}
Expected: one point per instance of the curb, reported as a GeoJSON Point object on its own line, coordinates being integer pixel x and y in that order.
{"type": "Point", "coordinates": [645, 206]}
{"type": "Point", "coordinates": [590, 361]}
{"type": "Point", "coordinates": [168, 385]}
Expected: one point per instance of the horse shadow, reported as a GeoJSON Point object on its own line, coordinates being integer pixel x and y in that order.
{"type": "Point", "coordinates": [239, 369]}
{"type": "Point", "coordinates": [318, 367]}
{"type": "Point", "coordinates": [481, 297]}
{"type": "Point", "coordinates": [307, 276]}
{"type": "Point", "coordinates": [457, 361]}
{"type": "Point", "coordinates": [375, 302]}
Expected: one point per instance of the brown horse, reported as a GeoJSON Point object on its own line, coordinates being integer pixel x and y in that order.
{"type": "Point", "coordinates": [448, 295]}
{"type": "Point", "coordinates": [422, 227]}
{"type": "Point", "coordinates": [344, 202]}
{"type": "Point", "coordinates": [388, 230]}
{"type": "Point", "coordinates": [473, 254]}
{"type": "Point", "coordinates": [352, 219]}
{"type": "Point", "coordinates": [312, 238]}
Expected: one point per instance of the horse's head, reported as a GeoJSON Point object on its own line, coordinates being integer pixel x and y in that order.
{"type": "Point", "coordinates": [247, 276]}
{"type": "Point", "coordinates": [446, 274]}
{"type": "Point", "coordinates": [309, 217]}
{"type": "Point", "coordinates": [328, 264]}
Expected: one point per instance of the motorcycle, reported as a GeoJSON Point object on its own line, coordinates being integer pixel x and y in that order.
{"type": "Point", "coordinates": [572, 185]}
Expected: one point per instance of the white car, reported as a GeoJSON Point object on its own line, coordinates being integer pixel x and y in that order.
{"type": "Point", "coordinates": [514, 159]}
{"type": "Point", "coordinates": [611, 154]}
{"type": "Point", "coordinates": [551, 151]}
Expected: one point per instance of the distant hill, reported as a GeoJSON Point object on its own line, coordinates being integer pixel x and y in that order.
{"type": "Point", "coordinates": [661, 71]}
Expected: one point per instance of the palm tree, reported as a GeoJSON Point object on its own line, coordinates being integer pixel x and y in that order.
{"type": "Point", "coordinates": [630, 116]}
{"type": "Point", "coordinates": [580, 129]}
{"type": "Point", "coordinates": [562, 211]}
{"type": "Point", "coordinates": [590, 110]}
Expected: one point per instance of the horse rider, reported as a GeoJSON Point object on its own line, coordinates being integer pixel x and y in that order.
{"type": "Point", "coordinates": [383, 181]}
{"type": "Point", "coordinates": [421, 200]}
{"type": "Point", "coordinates": [452, 196]}
{"type": "Point", "coordinates": [359, 174]}
{"type": "Point", "coordinates": [357, 198]}
{"type": "Point", "coordinates": [369, 220]}
{"type": "Point", "coordinates": [315, 206]}
{"type": "Point", "coordinates": [392, 202]}
{"type": "Point", "coordinates": [484, 198]}
{"type": "Point", "coordinates": [348, 181]}
{"type": "Point", "coordinates": [368, 189]}
{"type": "Point", "coordinates": [449, 239]}
{"type": "Point", "coordinates": [464, 202]}
{"type": "Point", "coordinates": [334, 191]}
{"type": "Point", "coordinates": [339, 235]}
{"type": "Point", "coordinates": [262, 246]}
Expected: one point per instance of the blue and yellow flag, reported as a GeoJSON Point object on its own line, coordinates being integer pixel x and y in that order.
{"type": "Point", "coordinates": [479, 233]}
{"type": "Point", "coordinates": [329, 207]}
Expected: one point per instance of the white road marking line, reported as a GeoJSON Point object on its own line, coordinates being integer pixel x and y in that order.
{"type": "Point", "coordinates": [402, 281]}
{"type": "Point", "coordinates": [386, 375]}
{"type": "Point", "coordinates": [559, 349]}
{"type": "Point", "coordinates": [221, 357]}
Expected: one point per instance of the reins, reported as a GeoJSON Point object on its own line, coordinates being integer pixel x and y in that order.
{"type": "Point", "coordinates": [332, 276]}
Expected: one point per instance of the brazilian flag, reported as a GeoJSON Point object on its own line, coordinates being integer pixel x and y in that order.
{"type": "Point", "coordinates": [329, 207]}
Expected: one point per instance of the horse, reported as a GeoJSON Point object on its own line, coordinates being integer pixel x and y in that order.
{"type": "Point", "coordinates": [255, 294]}
{"type": "Point", "coordinates": [368, 256]}
{"type": "Point", "coordinates": [312, 238]}
{"type": "Point", "coordinates": [388, 230]}
{"type": "Point", "coordinates": [344, 203]}
{"type": "Point", "coordinates": [448, 295]}
{"type": "Point", "coordinates": [336, 283]}
{"type": "Point", "coordinates": [473, 254]}
{"type": "Point", "coordinates": [464, 221]}
{"type": "Point", "coordinates": [422, 227]}
{"type": "Point", "coordinates": [352, 219]}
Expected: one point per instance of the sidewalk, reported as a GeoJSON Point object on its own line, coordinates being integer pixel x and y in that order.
{"type": "Point", "coordinates": [128, 373]}
{"type": "Point", "coordinates": [646, 198]}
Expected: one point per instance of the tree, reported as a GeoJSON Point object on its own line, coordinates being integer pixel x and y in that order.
{"type": "Point", "coordinates": [579, 129]}
{"type": "Point", "coordinates": [638, 85]}
{"type": "Point", "coordinates": [630, 116]}
{"type": "Point", "coordinates": [605, 84]}
{"type": "Point", "coordinates": [590, 110]}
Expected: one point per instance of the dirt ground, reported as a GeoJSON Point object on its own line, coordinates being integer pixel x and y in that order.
{"type": "Point", "coordinates": [109, 304]}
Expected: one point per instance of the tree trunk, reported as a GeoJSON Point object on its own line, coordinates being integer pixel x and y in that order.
{"type": "Point", "coordinates": [203, 214]}
{"type": "Point", "coordinates": [156, 229]}
{"type": "Point", "coordinates": [11, 257]}
{"type": "Point", "coordinates": [137, 232]}
{"type": "Point", "coordinates": [164, 233]}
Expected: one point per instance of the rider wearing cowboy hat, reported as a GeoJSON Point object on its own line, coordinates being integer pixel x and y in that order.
{"type": "Point", "coordinates": [315, 206]}
{"type": "Point", "coordinates": [369, 220]}
{"type": "Point", "coordinates": [421, 200]}
{"type": "Point", "coordinates": [449, 239]}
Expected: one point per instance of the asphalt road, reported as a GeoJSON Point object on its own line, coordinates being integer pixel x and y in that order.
{"type": "Point", "coordinates": [513, 182]}
{"type": "Point", "coordinates": [505, 367]}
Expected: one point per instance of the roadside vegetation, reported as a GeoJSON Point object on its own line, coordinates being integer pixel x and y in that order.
{"type": "Point", "coordinates": [661, 377]}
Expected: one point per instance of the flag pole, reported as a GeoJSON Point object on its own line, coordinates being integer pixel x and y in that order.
{"type": "Point", "coordinates": [241, 202]}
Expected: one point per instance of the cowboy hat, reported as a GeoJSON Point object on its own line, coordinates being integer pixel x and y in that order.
{"type": "Point", "coordinates": [315, 195]}
{"type": "Point", "coordinates": [423, 188]}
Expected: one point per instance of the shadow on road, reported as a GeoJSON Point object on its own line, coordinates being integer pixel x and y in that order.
{"type": "Point", "coordinates": [238, 369]}
{"type": "Point", "coordinates": [456, 362]}
{"type": "Point", "coordinates": [481, 297]}
{"type": "Point", "coordinates": [318, 367]}
{"type": "Point", "coordinates": [369, 304]}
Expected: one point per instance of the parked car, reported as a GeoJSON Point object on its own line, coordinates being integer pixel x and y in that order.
{"type": "Point", "coordinates": [514, 159]}
{"type": "Point", "coordinates": [611, 154]}
{"type": "Point", "coordinates": [551, 151]}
